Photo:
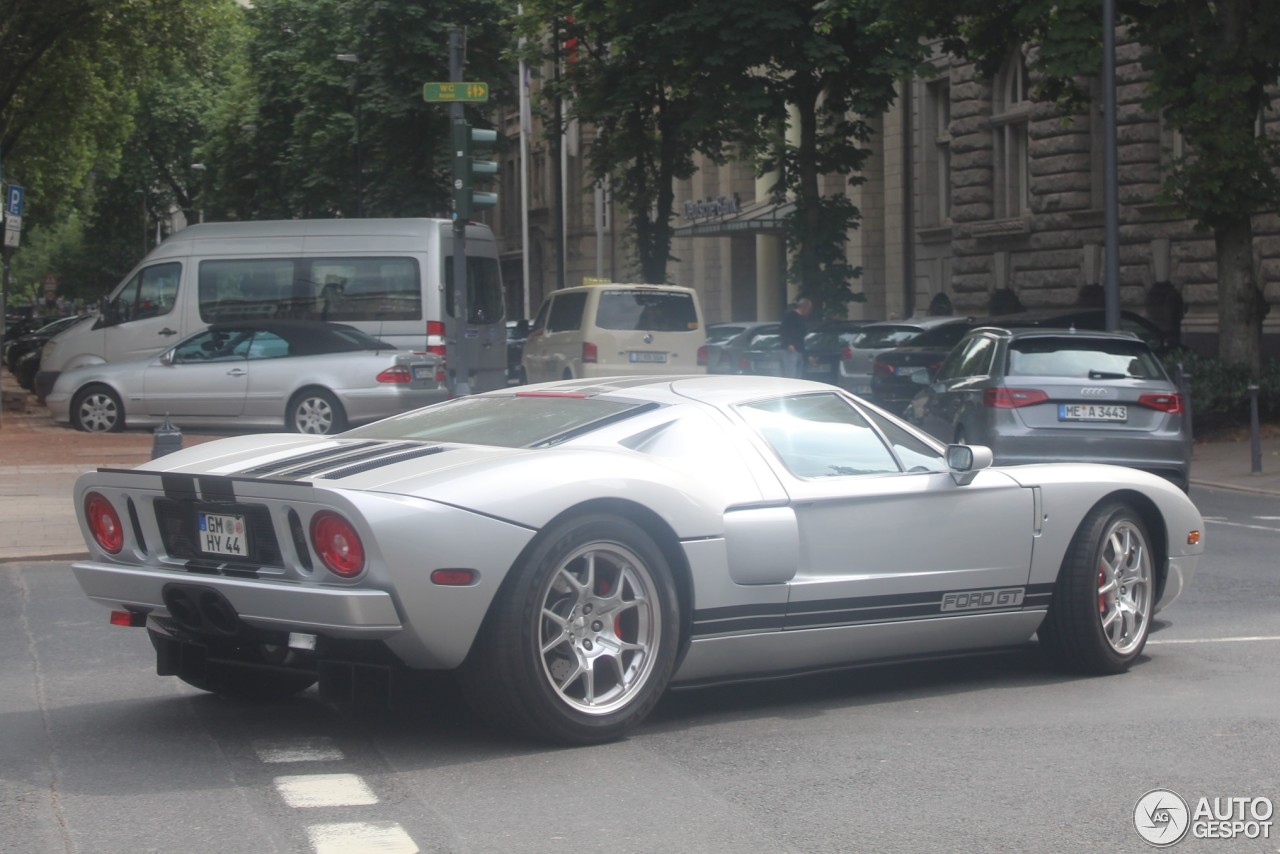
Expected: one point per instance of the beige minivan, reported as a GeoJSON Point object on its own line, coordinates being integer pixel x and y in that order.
{"type": "Point", "coordinates": [613, 330]}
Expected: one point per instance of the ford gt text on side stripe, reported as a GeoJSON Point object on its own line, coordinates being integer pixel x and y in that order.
{"type": "Point", "coordinates": [573, 549]}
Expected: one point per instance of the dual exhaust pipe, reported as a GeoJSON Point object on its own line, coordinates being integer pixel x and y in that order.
{"type": "Point", "coordinates": [201, 610]}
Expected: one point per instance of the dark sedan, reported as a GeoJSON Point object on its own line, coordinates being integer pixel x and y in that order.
{"type": "Point", "coordinates": [893, 372]}
{"type": "Point", "coordinates": [22, 355]}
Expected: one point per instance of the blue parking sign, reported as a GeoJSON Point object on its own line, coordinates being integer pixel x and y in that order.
{"type": "Point", "coordinates": [13, 200]}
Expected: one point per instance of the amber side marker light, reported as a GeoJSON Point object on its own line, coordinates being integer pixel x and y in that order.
{"type": "Point", "coordinates": [1193, 538]}
{"type": "Point", "coordinates": [453, 577]}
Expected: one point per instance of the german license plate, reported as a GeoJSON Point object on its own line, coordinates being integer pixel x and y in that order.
{"type": "Point", "coordinates": [222, 534]}
{"type": "Point", "coordinates": [1092, 412]}
{"type": "Point", "coordinates": [422, 372]}
{"type": "Point", "coordinates": [645, 356]}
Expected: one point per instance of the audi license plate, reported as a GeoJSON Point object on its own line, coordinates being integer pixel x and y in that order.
{"type": "Point", "coordinates": [1092, 412]}
{"type": "Point", "coordinates": [645, 356]}
{"type": "Point", "coordinates": [222, 534]}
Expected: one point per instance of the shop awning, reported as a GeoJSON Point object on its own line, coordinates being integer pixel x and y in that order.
{"type": "Point", "coordinates": [762, 217]}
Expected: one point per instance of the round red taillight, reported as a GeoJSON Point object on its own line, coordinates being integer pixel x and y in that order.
{"type": "Point", "coordinates": [104, 523]}
{"type": "Point", "coordinates": [337, 543]}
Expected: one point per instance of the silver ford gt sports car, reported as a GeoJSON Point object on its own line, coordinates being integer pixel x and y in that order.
{"type": "Point", "coordinates": [572, 549]}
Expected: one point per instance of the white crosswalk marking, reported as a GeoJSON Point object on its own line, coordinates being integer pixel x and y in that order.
{"type": "Point", "coordinates": [324, 790]}
{"type": "Point", "coordinates": [298, 750]}
{"type": "Point", "coordinates": [358, 837]}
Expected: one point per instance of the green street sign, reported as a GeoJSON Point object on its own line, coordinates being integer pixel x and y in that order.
{"type": "Point", "coordinates": [469, 92]}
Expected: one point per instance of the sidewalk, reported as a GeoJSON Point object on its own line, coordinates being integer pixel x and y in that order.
{"type": "Point", "coordinates": [40, 461]}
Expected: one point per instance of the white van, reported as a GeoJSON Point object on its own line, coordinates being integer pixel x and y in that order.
{"type": "Point", "coordinates": [611, 330]}
{"type": "Point", "coordinates": [392, 278]}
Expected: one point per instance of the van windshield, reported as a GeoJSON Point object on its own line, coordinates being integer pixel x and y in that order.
{"type": "Point", "coordinates": [646, 311]}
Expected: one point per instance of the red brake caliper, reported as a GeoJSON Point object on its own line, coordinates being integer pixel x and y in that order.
{"type": "Point", "coordinates": [603, 588]}
{"type": "Point", "coordinates": [1102, 599]}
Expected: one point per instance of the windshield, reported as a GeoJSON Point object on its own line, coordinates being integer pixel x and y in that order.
{"type": "Point", "coordinates": [506, 421]}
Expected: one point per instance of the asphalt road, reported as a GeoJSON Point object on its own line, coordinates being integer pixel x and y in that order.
{"type": "Point", "coordinates": [994, 754]}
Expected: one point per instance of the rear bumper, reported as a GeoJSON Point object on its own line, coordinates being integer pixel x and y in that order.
{"type": "Point", "coordinates": [263, 604]}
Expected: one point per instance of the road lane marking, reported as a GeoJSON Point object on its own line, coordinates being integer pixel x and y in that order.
{"type": "Point", "coordinates": [1248, 639]}
{"type": "Point", "coordinates": [1218, 521]}
{"type": "Point", "coordinates": [298, 750]}
{"type": "Point", "coordinates": [361, 837]}
{"type": "Point", "coordinates": [324, 790]}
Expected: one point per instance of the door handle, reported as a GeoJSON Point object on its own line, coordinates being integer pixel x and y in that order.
{"type": "Point", "coordinates": [237, 372]}
{"type": "Point", "coordinates": [166, 332]}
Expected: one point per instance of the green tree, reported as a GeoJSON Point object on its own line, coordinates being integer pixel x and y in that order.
{"type": "Point", "coordinates": [653, 81]}
{"type": "Point", "coordinates": [1210, 65]}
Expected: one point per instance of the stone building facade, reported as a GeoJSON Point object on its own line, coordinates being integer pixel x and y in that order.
{"type": "Point", "coordinates": [974, 191]}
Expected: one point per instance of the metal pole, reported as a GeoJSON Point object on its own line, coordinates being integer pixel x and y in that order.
{"type": "Point", "coordinates": [355, 84]}
{"type": "Point", "coordinates": [458, 355]}
{"type": "Point", "coordinates": [1255, 439]}
{"type": "Point", "coordinates": [1111, 286]}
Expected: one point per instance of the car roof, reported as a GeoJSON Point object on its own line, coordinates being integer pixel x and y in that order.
{"type": "Point", "coordinates": [928, 322]}
{"type": "Point", "coordinates": [1020, 332]}
{"type": "Point", "coordinates": [305, 336]}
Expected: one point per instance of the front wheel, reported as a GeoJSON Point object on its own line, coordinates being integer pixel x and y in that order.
{"type": "Point", "coordinates": [97, 409]}
{"type": "Point", "coordinates": [582, 641]}
{"type": "Point", "coordinates": [317, 412]}
{"type": "Point", "coordinates": [1102, 605]}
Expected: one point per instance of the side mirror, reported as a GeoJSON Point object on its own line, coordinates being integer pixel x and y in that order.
{"type": "Point", "coordinates": [965, 461]}
{"type": "Point", "coordinates": [166, 358]}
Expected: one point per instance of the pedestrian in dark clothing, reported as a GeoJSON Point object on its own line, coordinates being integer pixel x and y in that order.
{"type": "Point", "coordinates": [791, 333]}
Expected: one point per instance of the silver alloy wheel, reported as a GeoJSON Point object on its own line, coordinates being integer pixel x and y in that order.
{"type": "Point", "coordinates": [1124, 586]}
{"type": "Point", "coordinates": [599, 628]}
{"type": "Point", "coordinates": [313, 414]}
{"type": "Point", "coordinates": [98, 412]}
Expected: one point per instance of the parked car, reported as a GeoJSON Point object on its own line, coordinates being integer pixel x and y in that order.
{"type": "Point", "coordinates": [614, 329]}
{"type": "Point", "coordinates": [22, 355]}
{"type": "Point", "coordinates": [1090, 318]}
{"type": "Point", "coordinates": [303, 375]}
{"type": "Point", "coordinates": [648, 532]}
{"type": "Point", "coordinates": [727, 344]}
{"type": "Point", "coordinates": [893, 372]}
{"type": "Point", "coordinates": [517, 332]}
{"type": "Point", "coordinates": [827, 345]}
{"type": "Point", "coordinates": [874, 339]}
{"type": "Point", "coordinates": [1041, 395]}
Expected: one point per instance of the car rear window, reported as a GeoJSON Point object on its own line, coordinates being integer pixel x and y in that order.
{"type": "Point", "coordinates": [506, 421]}
{"type": "Point", "coordinates": [720, 332]}
{"type": "Point", "coordinates": [1083, 358]}
{"type": "Point", "coordinates": [875, 338]}
{"type": "Point", "coordinates": [646, 311]}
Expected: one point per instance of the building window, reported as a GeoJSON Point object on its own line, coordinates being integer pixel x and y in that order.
{"type": "Point", "coordinates": [1011, 111]}
{"type": "Point", "coordinates": [937, 151]}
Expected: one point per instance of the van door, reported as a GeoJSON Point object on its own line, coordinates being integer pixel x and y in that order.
{"type": "Point", "coordinates": [139, 320]}
{"type": "Point", "coordinates": [485, 333]}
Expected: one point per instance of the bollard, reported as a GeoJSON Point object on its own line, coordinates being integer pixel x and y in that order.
{"type": "Point", "coordinates": [1255, 439]}
{"type": "Point", "coordinates": [166, 439]}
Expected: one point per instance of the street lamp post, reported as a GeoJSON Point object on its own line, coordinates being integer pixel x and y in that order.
{"type": "Point", "coordinates": [354, 59]}
{"type": "Point", "coordinates": [201, 168]}
{"type": "Point", "coordinates": [142, 194]}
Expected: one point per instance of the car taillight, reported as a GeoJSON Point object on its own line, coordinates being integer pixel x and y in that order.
{"type": "Point", "coordinates": [744, 364]}
{"type": "Point", "coordinates": [337, 543]}
{"type": "Point", "coordinates": [435, 337]}
{"type": "Point", "coordinates": [1012, 398]}
{"type": "Point", "coordinates": [882, 369]}
{"type": "Point", "coordinates": [702, 356]}
{"type": "Point", "coordinates": [1171, 403]}
{"type": "Point", "coordinates": [104, 523]}
{"type": "Point", "coordinates": [846, 353]}
{"type": "Point", "coordinates": [396, 374]}
{"type": "Point", "coordinates": [589, 353]}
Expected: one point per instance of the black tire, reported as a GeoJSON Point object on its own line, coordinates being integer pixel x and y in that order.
{"type": "Point", "coordinates": [97, 409]}
{"type": "Point", "coordinates": [248, 683]}
{"type": "Point", "coordinates": [315, 411]}
{"type": "Point", "coordinates": [1100, 616]}
{"type": "Point", "coordinates": [571, 680]}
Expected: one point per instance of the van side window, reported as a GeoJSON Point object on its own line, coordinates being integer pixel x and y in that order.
{"type": "Point", "coordinates": [151, 293]}
{"type": "Point", "coordinates": [337, 289]}
{"type": "Point", "coordinates": [566, 312]}
{"type": "Point", "coordinates": [541, 320]}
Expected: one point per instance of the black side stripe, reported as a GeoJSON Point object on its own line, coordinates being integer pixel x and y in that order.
{"type": "Point", "coordinates": [179, 487]}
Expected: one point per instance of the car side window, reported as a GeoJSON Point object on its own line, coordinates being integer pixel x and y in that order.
{"type": "Point", "coordinates": [151, 293]}
{"type": "Point", "coordinates": [540, 322]}
{"type": "Point", "coordinates": [566, 312]}
{"type": "Point", "coordinates": [820, 435]}
{"type": "Point", "coordinates": [971, 359]}
{"type": "Point", "coordinates": [914, 453]}
{"type": "Point", "coordinates": [267, 345]}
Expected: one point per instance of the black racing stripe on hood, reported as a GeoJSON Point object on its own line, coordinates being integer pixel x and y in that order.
{"type": "Point", "coordinates": [391, 459]}
{"type": "Point", "coordinates": [302, 459]}
{"type": "Point", "coordinates": [382, 449]}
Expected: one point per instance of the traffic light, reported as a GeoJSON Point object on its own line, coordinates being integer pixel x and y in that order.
{"type": "Point", "coordinates": [467, 170]}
